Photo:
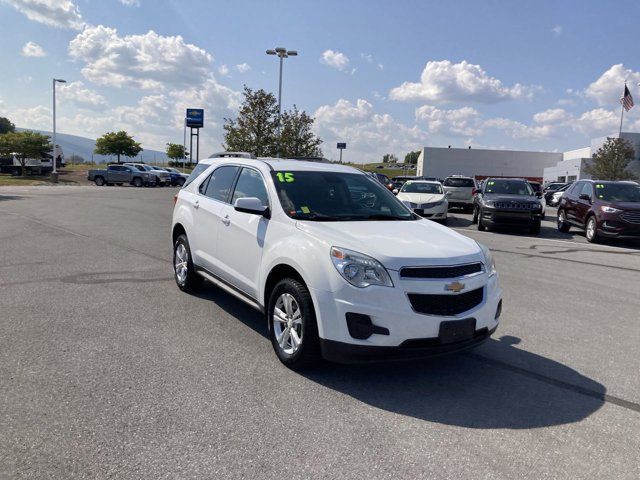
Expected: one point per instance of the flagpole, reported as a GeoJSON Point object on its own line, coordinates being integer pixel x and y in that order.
{"type": "Point", "coordinates": [622, 109]}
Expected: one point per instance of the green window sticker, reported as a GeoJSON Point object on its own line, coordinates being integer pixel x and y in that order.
{"type": "Point", "coordinates": [599, 185]}
{"type": "Point", "coordinates": [491, 183]}
{"type": "Point", "coordinates": [305, 209]}
{"type": "Point", "coordinates": [285, 177]}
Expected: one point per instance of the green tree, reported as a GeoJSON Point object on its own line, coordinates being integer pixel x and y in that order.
{"type": "Point", "coordinates": [175, 151]}
{"type": "Point", "coordinates": [120, 143]}
{"type": "Point", "coordinates": [389, 158]}
{"type": "Point", "coordinates": [296, 137]}
{"type": "Point", "coordinates": [24, 145]}
{"type": "Point", "coordinates": [256, 127]}
{"type": "Point", "coordinates": [412, 157]}
{"type": "Point", "coordinates": [6, 126]}
{"type": "Point", "coordinates": [611, 160]}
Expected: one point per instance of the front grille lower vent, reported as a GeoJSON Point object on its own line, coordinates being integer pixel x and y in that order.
{"type": "Point", "coordinates": [446, 305]}
{"type": "Point", "coordinates": [631, 217]}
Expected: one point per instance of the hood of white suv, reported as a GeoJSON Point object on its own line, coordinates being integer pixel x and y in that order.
{"type": "Point", "coordinates": [397, 244]}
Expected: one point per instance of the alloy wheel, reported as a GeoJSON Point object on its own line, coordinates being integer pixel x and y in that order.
{"type": "Point", "coordinates": [180, 263]}
{"type": "Point", "coordinates": [287, 324]}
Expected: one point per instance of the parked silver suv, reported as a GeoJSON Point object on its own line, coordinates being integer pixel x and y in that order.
{"type": "Point", "coordinates": [460, 191]}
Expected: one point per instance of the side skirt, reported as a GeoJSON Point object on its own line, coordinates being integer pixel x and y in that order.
{"type": "Point", "coordinates": [220, 283]}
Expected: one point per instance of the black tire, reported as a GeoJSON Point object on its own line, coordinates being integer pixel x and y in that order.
{"type": "Point", "coordinates": [474, 219]}
{"type": "Point", "coordinates": [137, 182]}
{"type": "Point", "coordinates": [535, 228]}
{"type": "Point", "coordinates": [308, 353]}
{"type": "Point", "coordinates": [563, 226]}
{"type": "Point", "coordinates": [591, 237]}
{"type": "Point", "coordinates": [481, 226]}
{"type": "Point", "coordinates": [99, 181]}
{"type": "Point", "coordinates": [192, 281]}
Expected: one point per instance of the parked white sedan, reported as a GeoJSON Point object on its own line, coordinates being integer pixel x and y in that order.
{"type": "Point", "coordinates": [426, 198]}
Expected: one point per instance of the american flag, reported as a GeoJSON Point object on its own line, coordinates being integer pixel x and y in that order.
{"type": "Point", "coordinates": [627, 99]}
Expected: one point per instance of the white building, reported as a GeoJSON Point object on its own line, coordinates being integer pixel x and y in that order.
{"type": "Point", "coordinates": [545, 166]}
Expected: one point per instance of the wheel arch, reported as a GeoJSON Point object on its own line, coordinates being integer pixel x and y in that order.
{"type": "Point", "coordinates": [177, 230]}
{"type": "Point", "coordinates": [277, 273]}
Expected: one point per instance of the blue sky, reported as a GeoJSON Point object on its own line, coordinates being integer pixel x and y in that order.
{"type": "Point", "coordinates": [383, 76]}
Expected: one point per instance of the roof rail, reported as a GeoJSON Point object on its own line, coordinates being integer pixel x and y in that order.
{"type": "Point", "coordinates": [232, 155]}
{"type": "Point", "coordinates": [310, 159]}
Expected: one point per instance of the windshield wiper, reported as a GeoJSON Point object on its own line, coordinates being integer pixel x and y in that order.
{"type": "Point", "coordinates": [382, 216]}
{"type": "Point", "coordinates": [319, 217]}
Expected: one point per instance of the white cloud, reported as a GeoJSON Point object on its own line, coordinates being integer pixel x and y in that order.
{"type": "Point", "coordinates": [37, 118]}
{"type": "Point", "coordinates": [76, 93]}
{"type": "Point", "coordinates": [367, 57]}
{"type": "Point", "coordinates": [369, 135]}
{"type": "Point", "coordinates": [443, 82]}
{"type": "Point", "coordinates": [149, 61]}
{"type": "Point", "coordinates": [518, 130]}
{"type": "Point", "coordinates": [553, 116]}
{"type": "Point", "coordinates": [55, 13]}
{"type": "Point", "coordinates": [223, 70]}
{"type": "Point", "coordinates": [130, 3]}
{"type": "Point", "coordinates": [597, 122]}
{"type": "Point", "coordinates": [32, 49]}
{"type": "Point", "coordinates": [459, 122]}
{"type": "Point", "coordinates": [337, 60]}
{"type": "Point", "coordinates": [608, 89]}
{"type": "Point", "coordinates": [557, 30]}
{"type": "Point", "coordinates": [243, 67]}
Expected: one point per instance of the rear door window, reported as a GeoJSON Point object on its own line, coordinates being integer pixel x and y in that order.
{"type": "Point", "coordinates": [220, 183]}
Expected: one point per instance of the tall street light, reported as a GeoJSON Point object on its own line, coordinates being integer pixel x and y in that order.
{"type": "Point", "coordinates": [54, 173]}
{"type": "Point", "coordinates": [282, 53]}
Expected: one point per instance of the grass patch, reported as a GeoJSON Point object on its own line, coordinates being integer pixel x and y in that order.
{"type": "Point", "coordinates": [8, 180]}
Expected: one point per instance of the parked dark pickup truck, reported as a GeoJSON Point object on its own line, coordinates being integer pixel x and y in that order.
{"type": "Point", "coordinates": [119, 174]}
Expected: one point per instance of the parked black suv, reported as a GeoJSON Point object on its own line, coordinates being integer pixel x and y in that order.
{"type": "Point", "coordinates": [509, 202]}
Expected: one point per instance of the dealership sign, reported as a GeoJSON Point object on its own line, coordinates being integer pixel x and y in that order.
{"type": "Point", "coordinates": [195, 117]}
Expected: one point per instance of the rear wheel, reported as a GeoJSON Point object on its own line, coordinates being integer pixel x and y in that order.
{"type": "Point", "coordinates": [185, 275]}
{"type": "Point", "coordinates": [591, 231]}
{"type": "Point", "coordinates": [99, 181]}
{"type": "Point", "coordinates": [137, 182]}
{"type": "Point", "coordinates": [292, 325]}
{"type": "Point", "coordinates": [563, 226]}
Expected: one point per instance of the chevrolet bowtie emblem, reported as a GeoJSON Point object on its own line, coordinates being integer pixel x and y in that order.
{"type": "Point", "coordinates": [455, 287]}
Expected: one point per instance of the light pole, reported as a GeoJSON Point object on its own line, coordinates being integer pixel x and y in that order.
{"type": "Point", "coordinates": [282, 53]}
{"type": "Point", "coordinates": [54, 173]}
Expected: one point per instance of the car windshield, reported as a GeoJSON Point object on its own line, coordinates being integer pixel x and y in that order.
{"type": "Point", "coordinates": [459, 182]}
{"type": "Point", "coordinates": [618, 192]}
{"type": "Point", "coordinates": [420, 187]}
{"type": "Point", "coordinates": [554, 186]}
{"type": "Point", "coordinates": [336, 196]}
{"type": "Point", "coordinates": [508, 187]}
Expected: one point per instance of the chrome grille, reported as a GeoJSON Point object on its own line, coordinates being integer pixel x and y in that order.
{"type": "Point", "coordinates": [631, 217]}
{"type": "Point", "coordinates": [516, 205]}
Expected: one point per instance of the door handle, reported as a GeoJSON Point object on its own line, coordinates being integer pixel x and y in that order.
{"type": "Point", "coordinates": [226, 220]}
{"type": "Point", "coordinates": [196, 204]}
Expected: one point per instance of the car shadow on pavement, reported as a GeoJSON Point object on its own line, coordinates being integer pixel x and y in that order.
{"type": "Point", "coordinates": [475, 390]}
{"type": "Point", "coordinates": [497, 385]}
{"type": "Point", "coordinates": [10, 197]}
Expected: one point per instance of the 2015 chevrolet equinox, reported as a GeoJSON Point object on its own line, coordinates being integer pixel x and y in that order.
{"type": "Point", "coordinates": [340, 267]}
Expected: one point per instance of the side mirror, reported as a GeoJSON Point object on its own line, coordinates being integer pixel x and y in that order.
{"type": "Point", "coordinates": [253, 206]}
{"type": "Point", "coordinates": [584, 196]}
{"type": "Point", "coordinates": [539, 194]}
{"type": "Point", "coordinates": [396, 191]}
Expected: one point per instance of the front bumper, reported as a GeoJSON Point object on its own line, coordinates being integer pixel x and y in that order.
{"type": "Point", "coordinates": [510, 218]}
{"type": "Point", "coordinates": [434, 213]}
{"type": "Point", "coordinates": [390, 310]}
{"type": "Point", "coordinates": [341, 352]}
{"type": "Point", "coordinates": [613, 226]}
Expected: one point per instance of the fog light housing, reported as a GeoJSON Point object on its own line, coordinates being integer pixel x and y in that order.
{"type": "Point", "coordinates": [361, 327]}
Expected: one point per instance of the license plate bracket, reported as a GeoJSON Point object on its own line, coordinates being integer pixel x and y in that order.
{"type": "Point", "coordinates": [452, 331]}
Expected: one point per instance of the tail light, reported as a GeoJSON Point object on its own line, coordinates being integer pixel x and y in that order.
{"type": "Point", "coordinates": [474, 191]}
{"type": "Point", "coordinates": [175, 198]}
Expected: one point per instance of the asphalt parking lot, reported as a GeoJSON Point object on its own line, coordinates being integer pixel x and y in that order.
{"type": "Point", "coordinates": [107, 370]}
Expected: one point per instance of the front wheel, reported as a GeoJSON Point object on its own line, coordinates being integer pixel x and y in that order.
{"type": "Point", "coordinates": [474, 219]}
{"type": "Point", "coordinates": [184, 273]}
{"type": "Point", "coordinates": [99, 181]}
{"type": "Point", "coordinates": [292, 325]}
{"type": "Point", "coordinates": [591, 231]}
{"type": "Point", "coordinates": [535, 228]}
{"type": "Point", "coordinates": [563, 226]}
{"type": "Point", "coordinates": [481, 226]}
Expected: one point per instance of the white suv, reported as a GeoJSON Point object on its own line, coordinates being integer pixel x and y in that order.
{"type": "Point", "coordinates": [340, 267]}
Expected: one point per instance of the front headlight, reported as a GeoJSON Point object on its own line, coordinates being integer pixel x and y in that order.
{"type": "Point", "coordinates": [487, 203]}
{"type": "Point", "coordinates": [606, 209]}
{"type": "Point", "coordinates": [537, 206]}
{"type": "Point", "coordinates": [358, 269]}
{"type": "Point", "coordinates": [489, 263]}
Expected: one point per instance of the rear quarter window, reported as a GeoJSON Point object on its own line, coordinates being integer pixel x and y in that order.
{"type": "Point", "coordinates": [195, 173]}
